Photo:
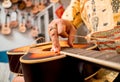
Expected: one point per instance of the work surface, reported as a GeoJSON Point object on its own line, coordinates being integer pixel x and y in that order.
{"type": "Point", "coordinates": [104, 58]}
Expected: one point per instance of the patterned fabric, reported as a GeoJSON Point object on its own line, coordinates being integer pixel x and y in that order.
{"type": "Point", "coordinates": [72, 13]}
{"type": "Point", "coordinates": [108, 33]}
{"type": "Point", "coordinates": [98, 15]}
{"type": "Point", "coordinates": [116, 10]}
{"type": "Point", "coordinates": [117, 42]}
{"type": "Point", "coordinates": [108, 40]}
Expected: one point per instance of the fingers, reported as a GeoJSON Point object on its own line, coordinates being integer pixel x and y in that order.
{"type": "Point", "coordinates": [71, 36]}
{"type": "Point", "coordinates": [55, 49]}
{"type": "Point", "coordinates": [55, 43]}
{"type": "Point", "coordinates": [53, 32]}
{"type": "Point", "coordinates": [61, 28]}
{"type": "Point", "coordinates": [70, 41]}
{"type": "Point", "coordinates": [56, 29]}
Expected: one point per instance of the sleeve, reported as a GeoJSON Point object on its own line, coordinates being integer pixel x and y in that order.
{"type": "Point", "coordinates": [117, 18]}
{"type": "Point", "coordinates": [84, 15]}
{"type": "Point", "coordinates": [97, 15]}
{"type": "Point", "coordinates": [72, 13]}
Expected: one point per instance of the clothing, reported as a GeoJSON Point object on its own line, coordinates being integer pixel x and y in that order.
{"type": "Point", "coordinates": [98, 15]}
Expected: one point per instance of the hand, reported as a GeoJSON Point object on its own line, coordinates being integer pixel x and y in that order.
{"type": "Point", "coordinates": [63, 28]}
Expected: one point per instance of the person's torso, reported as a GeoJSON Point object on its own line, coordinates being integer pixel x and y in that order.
{"type": "Point", "coordinates": [98, 15]}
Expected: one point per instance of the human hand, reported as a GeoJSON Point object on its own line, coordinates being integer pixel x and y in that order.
{"type": "Point", "coordinates": [63, 28]}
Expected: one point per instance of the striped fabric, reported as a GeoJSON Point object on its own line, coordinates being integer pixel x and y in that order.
{"type": "Point", "coordinates": [108, 40]}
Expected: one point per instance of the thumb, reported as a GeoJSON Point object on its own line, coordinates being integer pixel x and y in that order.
{"type": "Point", "coordinates": [70, 40]}
{"type": "Point", "coordinates": [71, 37]}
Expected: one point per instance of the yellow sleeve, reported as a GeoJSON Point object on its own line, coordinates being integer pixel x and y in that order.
{"type": "Point", "coordinates": [116, 12]}
{"type": "Point", "coordinates": [116, 18]}
{"type": "Point", "coordinates": [72, 13]}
